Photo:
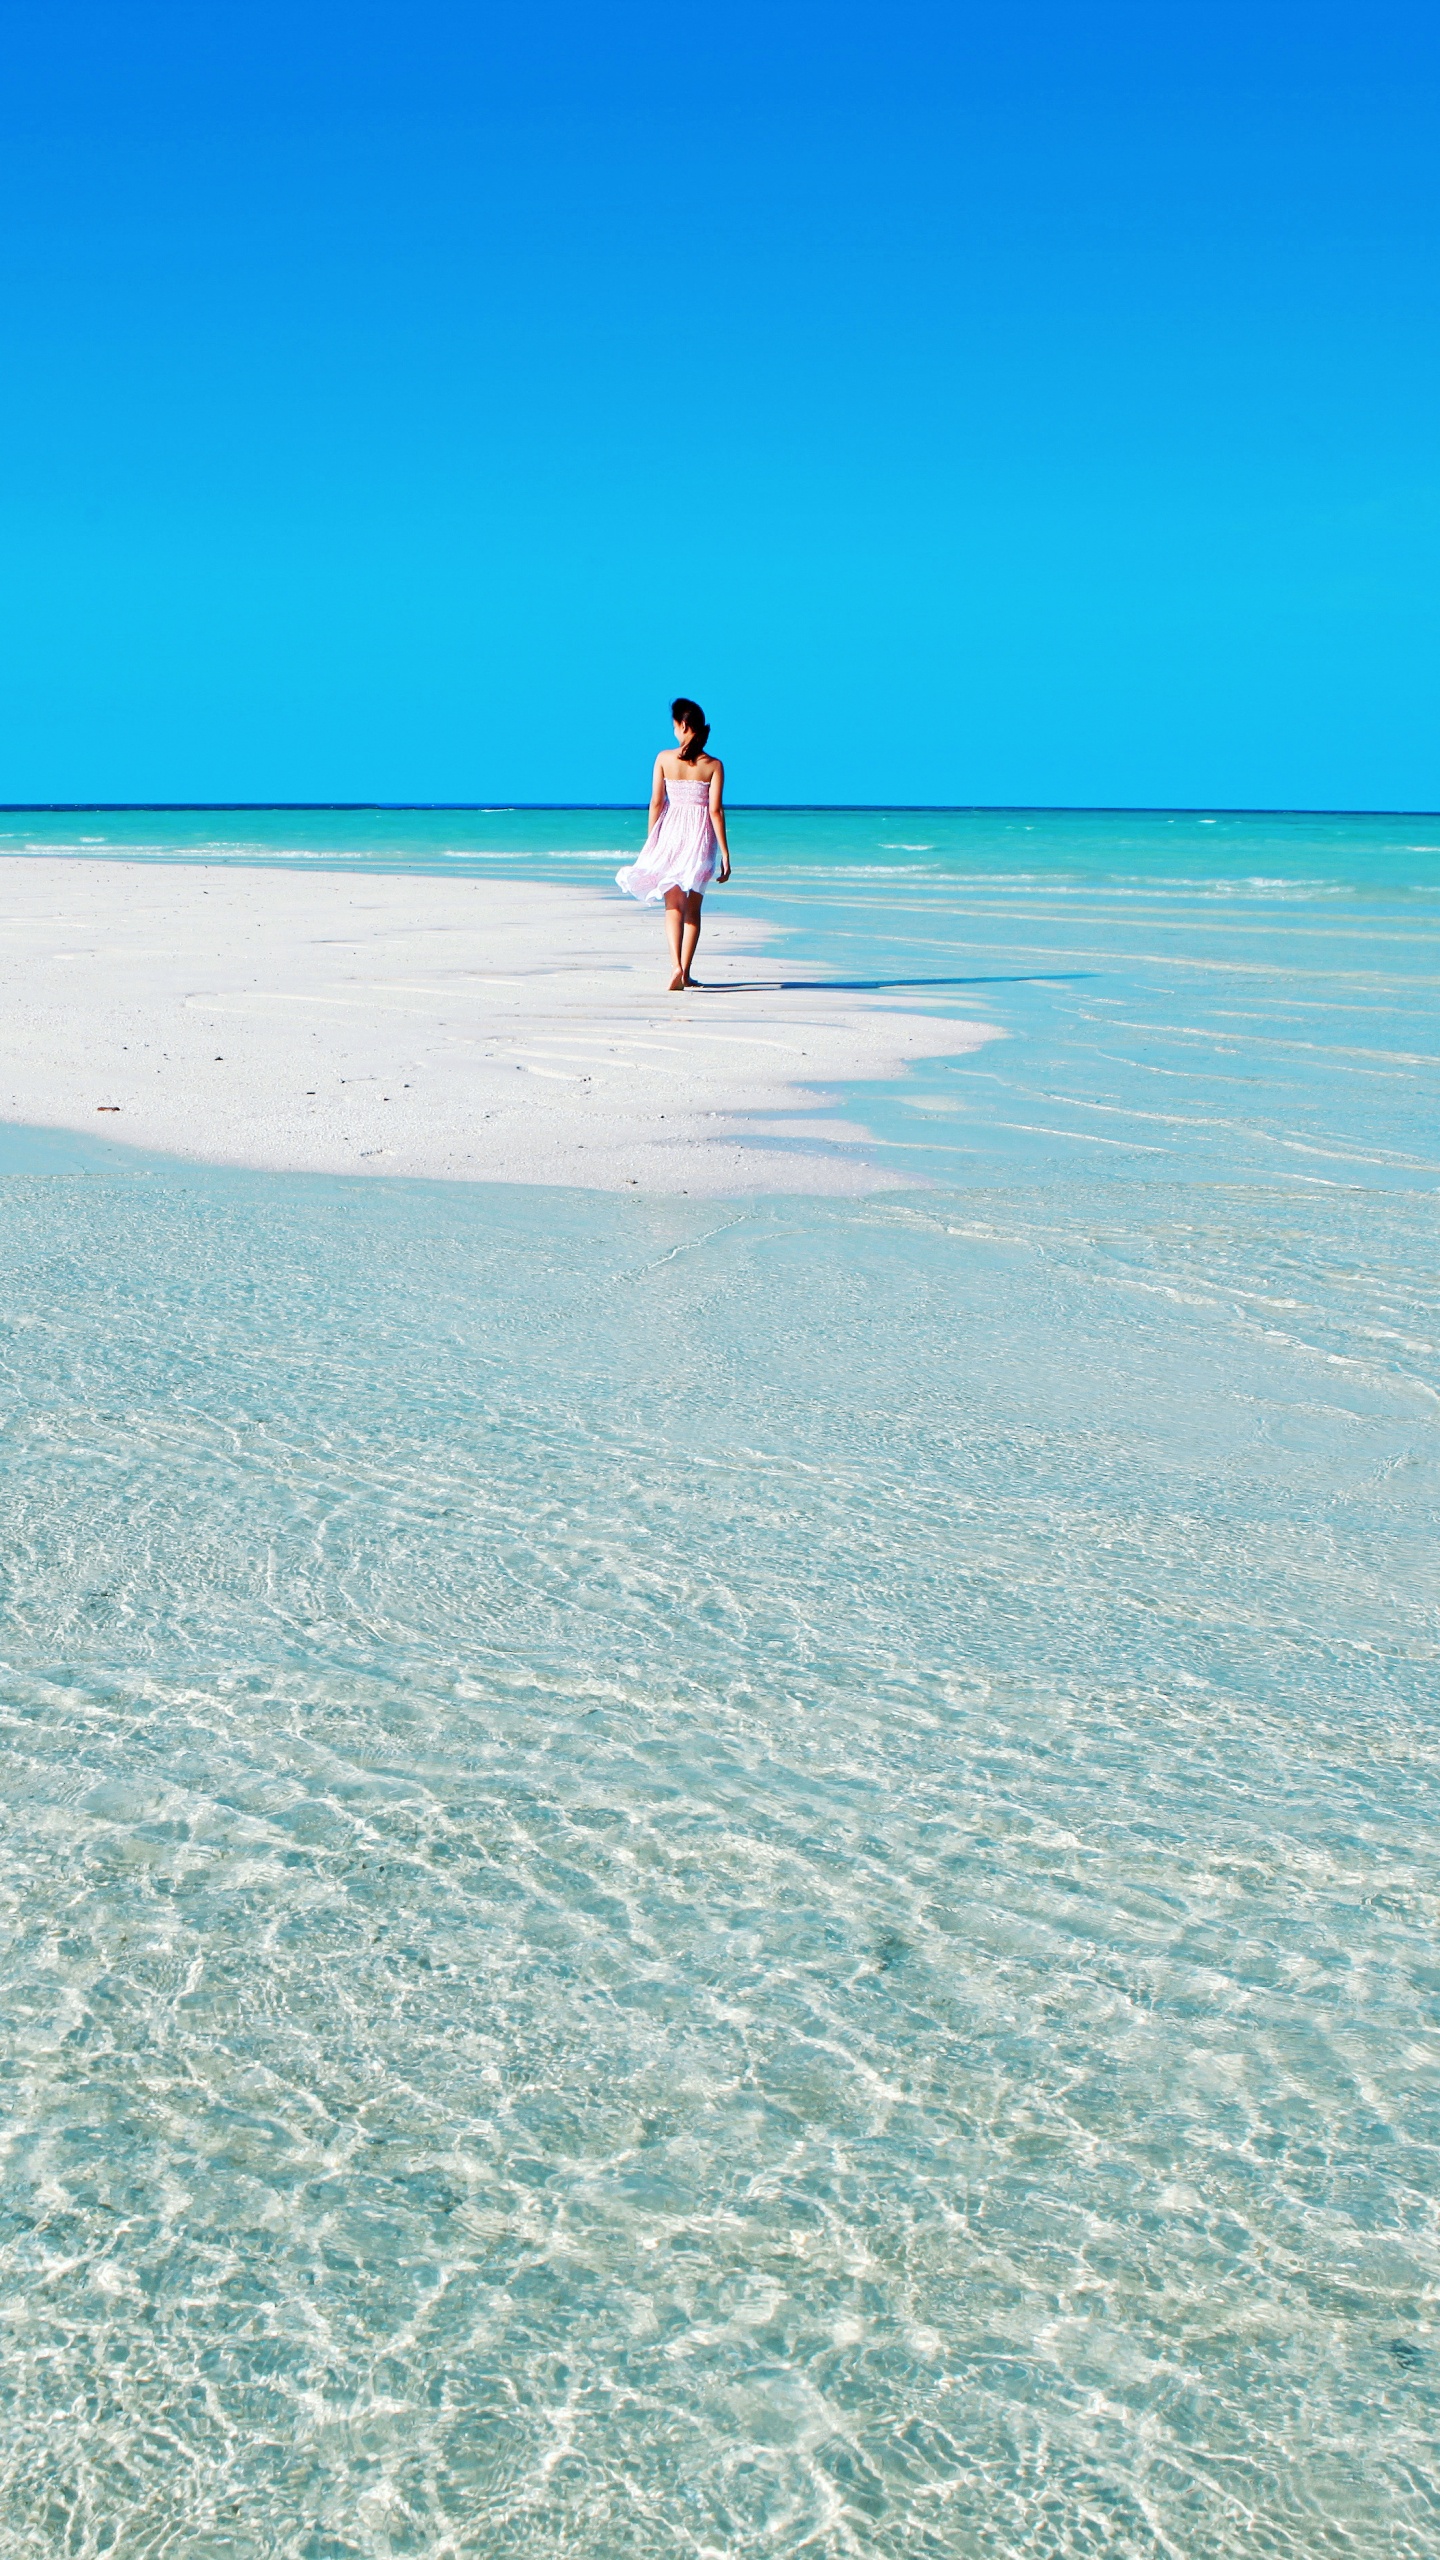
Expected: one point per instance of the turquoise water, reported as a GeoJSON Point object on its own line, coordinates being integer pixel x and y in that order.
{"type": "Point", "coordinates": [756, 1876]}
{"type": "Point", "coordinates": [1338, 851]}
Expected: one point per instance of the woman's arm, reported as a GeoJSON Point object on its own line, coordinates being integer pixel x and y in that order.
{"type": "Point", "coordinates": [717, 816]}
{"type": "Point", "coordinates": [657, 794]}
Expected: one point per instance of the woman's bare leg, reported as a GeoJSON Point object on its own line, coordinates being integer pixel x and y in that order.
{"type": "Point", "coordinates": [674, 919]}
{"type": "Point", "coordinates": [691, 934]}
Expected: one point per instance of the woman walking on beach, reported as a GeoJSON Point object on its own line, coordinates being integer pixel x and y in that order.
{"type": "Point", "coordinates": [686, 848]}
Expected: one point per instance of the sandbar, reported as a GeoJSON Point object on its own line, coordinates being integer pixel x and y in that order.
{"type": "Point", "coordinates": [469, 1029]}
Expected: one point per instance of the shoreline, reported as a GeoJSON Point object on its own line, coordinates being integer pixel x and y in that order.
{"type": "Point", "coordinates": [450, 1029]}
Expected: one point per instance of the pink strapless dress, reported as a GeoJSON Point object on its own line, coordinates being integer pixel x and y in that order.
{"type": "Point", "coordinates": [681, 851]}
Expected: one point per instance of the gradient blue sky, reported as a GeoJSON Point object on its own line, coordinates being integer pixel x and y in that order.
{"type": "Point", "coordinates": [968, 404]}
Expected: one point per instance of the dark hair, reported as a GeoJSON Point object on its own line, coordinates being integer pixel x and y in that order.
{"type": "Point", "coordinates": [691, 717]}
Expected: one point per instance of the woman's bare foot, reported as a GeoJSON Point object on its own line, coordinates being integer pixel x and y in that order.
{"type": "Point", "coordinates": [676, 986]}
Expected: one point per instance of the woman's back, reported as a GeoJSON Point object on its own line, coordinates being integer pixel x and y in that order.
{"type": "Point", "coordinates": [678, 768]}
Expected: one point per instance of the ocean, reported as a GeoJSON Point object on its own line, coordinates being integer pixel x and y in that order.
{"type": "Point", "coordinates": [753, 1876]}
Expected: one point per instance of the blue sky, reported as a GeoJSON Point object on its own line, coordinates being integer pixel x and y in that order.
{"type": "Point", "coordinates": [1004, 405]}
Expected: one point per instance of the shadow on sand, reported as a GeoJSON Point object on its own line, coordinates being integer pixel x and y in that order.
{"type": "Point", "coordinates": [871, 986]}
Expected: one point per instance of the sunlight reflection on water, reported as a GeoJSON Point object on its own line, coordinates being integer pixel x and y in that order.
{"type": "Point", "coordinates": [717, 1876]}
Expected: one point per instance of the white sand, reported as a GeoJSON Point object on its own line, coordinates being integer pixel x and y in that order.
{"type": "Point", "coordinates": [475, 1030]}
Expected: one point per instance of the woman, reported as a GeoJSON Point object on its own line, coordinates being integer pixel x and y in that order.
{"type": "Point", "coordinates": [686, 848]}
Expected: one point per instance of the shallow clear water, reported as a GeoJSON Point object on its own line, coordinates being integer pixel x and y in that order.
{"type": "Point", "coordinates": [747, 1877]}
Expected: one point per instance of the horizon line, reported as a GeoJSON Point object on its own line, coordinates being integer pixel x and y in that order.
{"type": "Point", "coordinates": [858, 808]}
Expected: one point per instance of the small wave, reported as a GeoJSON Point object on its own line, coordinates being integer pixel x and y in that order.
{"type": "Point", "coordinates": [1142, 884]}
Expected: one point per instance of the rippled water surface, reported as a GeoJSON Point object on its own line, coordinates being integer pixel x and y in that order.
{"type": "Point", "coordinates": [722, 1878]}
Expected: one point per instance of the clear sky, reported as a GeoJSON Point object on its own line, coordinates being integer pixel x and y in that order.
{"type": "Point", "coordinates": [1004, 404]}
